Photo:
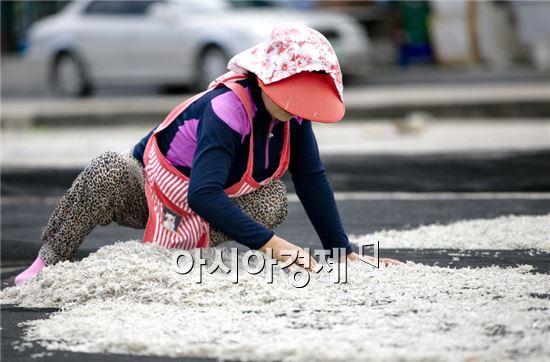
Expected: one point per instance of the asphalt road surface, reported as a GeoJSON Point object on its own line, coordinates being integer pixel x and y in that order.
{"type": "Point", "coordinates": [23, 219]}
{"type": "Point", "coordinates": [29, 196]}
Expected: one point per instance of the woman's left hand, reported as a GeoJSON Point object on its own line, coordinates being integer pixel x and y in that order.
{"type": "Point", "coordinates": [353, 256]}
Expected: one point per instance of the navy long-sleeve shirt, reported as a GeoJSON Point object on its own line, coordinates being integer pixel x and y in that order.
{"type": "Point", "coordinates": [209, 142]}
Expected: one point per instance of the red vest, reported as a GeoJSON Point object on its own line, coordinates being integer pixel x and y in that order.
{"type": "Point", "coordinates": [171, 222]}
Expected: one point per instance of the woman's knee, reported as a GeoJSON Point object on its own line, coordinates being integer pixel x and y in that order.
{"type": "Point", "coordinates": [99, 188]}
{"type": "Point", "coordinates": [278, 201]}
{"type": "Point", "coordinates": [267, 205]}
{"type": "Point", "coordinates": [108, 167]}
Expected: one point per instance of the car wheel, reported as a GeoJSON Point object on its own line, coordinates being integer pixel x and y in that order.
{"type": "Point", "coordinates": [212, 63]}
{"type": "Point", "coordinates": [69, 77]}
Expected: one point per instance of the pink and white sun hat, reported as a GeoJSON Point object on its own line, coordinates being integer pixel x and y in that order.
{"type": "Point", "coordinates": [298, 69]}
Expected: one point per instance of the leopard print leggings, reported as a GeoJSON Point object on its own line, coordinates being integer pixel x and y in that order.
{"type": "Point", "coordinates": [111, 188]}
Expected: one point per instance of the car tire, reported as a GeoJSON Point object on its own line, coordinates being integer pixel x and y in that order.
{"type": "Point", "coordinates": [68, 77]}
{"type": "Point", "coordinates": [211, 64]}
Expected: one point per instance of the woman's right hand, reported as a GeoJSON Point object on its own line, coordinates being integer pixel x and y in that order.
{"type": "Point", "coordinates": [284, 250]}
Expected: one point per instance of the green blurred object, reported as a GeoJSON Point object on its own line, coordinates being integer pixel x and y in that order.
{"type": "Point", "coordinates": [414, 17]}
{"type": "Point", "coordinates": [415, 47]}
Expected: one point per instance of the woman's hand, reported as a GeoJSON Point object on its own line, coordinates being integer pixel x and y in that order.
{"type": "Point", "coordinates": [353, 256]}
{"type": "Point", "coordinates": [284, 250]}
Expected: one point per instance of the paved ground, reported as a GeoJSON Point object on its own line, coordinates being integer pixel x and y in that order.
{"type": "Point", "coordinates": [512, 100]}
{"type": "Point", "coordinates": [12, 316]}
{"type": "Point", "coordinates": [387, 94]}
{"type": "Point", "coordinates": [73, 147]}
{"type": "Point", "coordinates": [20, 234]}
{"type": "Point", "coordinates": [456, 156]}
{"type": "Point", "coordinates": [20, 80]}
{"type": "Point", "coordinates": [359, 215]}
{"type": "Point", "coordinates": [362, 213]}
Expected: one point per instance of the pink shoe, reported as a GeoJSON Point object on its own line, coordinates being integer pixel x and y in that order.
{"type": "Point", "coordinates": [31, 271]}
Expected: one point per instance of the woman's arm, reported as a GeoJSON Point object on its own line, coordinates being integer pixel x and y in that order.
{"type": "Point", "coordinates": [214, 155]}
{"type": "Point", "coordinates": [314, 191]}
{"type": "Point", "coordinates": [313, 188]}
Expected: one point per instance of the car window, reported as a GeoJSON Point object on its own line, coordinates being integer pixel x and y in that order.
{"type": "Point", "coordinates": [201, 6]}
{"type": "Point", "coordinates": [192, 6]}
{"type": "Point", "coordinates": [116, 7]}
{"type": "Point", "coordinates": [253, 4]}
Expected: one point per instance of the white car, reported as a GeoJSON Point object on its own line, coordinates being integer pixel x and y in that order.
{"type": "Point", "coordinates": [100, 43]}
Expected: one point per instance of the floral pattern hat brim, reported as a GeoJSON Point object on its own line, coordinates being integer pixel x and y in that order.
{"type": "Point", "coordinates": [291, 49]}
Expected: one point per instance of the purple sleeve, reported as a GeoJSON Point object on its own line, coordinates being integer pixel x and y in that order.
{"type": "Point", "coordinates": [313, 188]}
{"type": "Point", "coordinates": [214, 155]}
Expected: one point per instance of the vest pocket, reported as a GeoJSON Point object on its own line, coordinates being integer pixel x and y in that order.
{"type": "Point", "coordinates": [167, 202]}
